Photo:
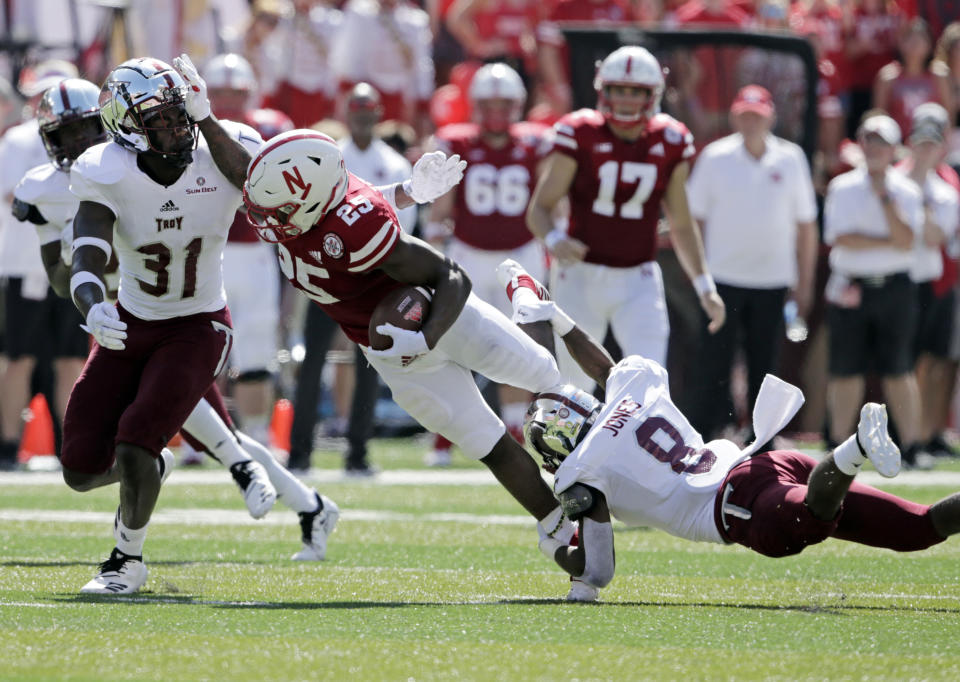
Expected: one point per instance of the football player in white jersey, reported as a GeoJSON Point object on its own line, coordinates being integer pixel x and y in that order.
{"type": "Point", "coordinates": [69, 116]}
{"type": "Point", "coordinates": [638, 459]}
{"type": "Point", "coordinates": [162, 197]}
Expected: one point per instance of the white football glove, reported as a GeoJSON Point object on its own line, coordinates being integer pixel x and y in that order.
{"type": "Point", "coordinates": [407, 345]}
{"type": "Point", "coordinates": [434, 174]}
{"type": "Point", "coordinates": [198, 104]}
{"type": "Point", "coordinates": [103, 323]}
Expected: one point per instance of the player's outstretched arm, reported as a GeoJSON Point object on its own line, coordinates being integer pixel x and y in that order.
{"type": "Point", "coordinates": [689, 246]}
{"type": "Point", "coordinates": [433, 175]}
{"type": "Point", "coordinates": [413, 261]}
{"type": "Point", "coordinates": [592, 357]}
{"type": "Point", "coordinates": [229, 155]}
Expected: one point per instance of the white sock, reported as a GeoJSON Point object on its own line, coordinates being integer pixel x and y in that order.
{"type": "Point", "coordinates": [513, 415]}
{"type": "Point", "coordinates": [556, 525]}
{"type": "Point", "coordinates": [206, 426]}
{"type": "Point", "coordinates": [848, 457]}
{"type": "Point", "coordinates": [129, 541]}
{"type": "Point", "coordinates": [290, 490]}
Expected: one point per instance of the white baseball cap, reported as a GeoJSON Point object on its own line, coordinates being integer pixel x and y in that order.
{"type": "Point", "coordinates": [883, 126]}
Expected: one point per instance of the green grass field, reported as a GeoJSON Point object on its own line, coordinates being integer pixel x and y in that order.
{"type": "Point", "coordinates": [443, 580]}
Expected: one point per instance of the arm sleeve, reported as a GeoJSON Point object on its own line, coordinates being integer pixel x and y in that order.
{"type": "Point", "coordinates": [370, 240]}
{"type": "Point", "coordinates": [805, 200]}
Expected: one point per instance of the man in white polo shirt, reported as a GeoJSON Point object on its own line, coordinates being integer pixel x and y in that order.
{"type": "Point", "coordinates": [752, 193]}
{"type": "Point", "coordinates": [872, 219]}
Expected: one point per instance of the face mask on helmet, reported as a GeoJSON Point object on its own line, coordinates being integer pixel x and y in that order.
{"type": "Point", "coordinates": [69, 118]}
{"type": "Point", "coordinates": [142, 106]}
{"type": "Point", "coordinates": [619, 81]}
{"type": "Point", "coordinates": [557, 420]}
{"type": "Point", "coordinates": [292, 184]}
{"type": "Point", "coordinates": [170, 133]}
{"type": "Point", "coordinates": [497, 95]}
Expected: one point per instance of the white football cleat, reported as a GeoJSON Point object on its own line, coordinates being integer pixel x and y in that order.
{"type": "Point", "coordinates": [165, 464]}
{"type": "Point", "coordinates": [253, 481]}
{"type": "Point", "coordinates": [509, 273]}
{"type": "Point", "coordinates": [875, 442]}
{"type": "Point", "coordinates": [315, 528]}
{"type": "Point", "coordinates": [580, 591]}
{"type": "Point", "coordinates": [119, 574]}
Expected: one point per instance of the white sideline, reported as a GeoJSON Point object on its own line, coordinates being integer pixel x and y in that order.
{"type": "Point", "coordinates": [231, 517]}
{"type": "Point", "coordinates": [922, 479]}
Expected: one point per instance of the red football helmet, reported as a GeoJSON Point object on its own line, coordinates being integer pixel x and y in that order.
{"type": "Point", "coordinates": [497, 96]}
{"type": "Point", "coordinates": [633, 66]}
{"type": "Point", "coordinates": [292, 183]}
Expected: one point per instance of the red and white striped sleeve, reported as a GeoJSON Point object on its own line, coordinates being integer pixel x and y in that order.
{"type": "Point", "coordinates": [372, 252]}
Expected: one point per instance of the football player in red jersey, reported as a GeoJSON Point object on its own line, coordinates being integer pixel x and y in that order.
{"type": "Point", "coordinates": [616, 164]}
{"type": "Point", "coordinates": [338, 241]}
{"type": "Point", "coordinates": [486, 214]}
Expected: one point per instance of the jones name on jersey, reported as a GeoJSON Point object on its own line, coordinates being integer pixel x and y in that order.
{"type": "Point", "coordinates": [169, 240]}
{"type": "Point", "coordinates": [650, 464]}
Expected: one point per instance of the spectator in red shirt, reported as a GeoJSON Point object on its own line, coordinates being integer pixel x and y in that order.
{"type": "Point", "coordinates": [716, 13]}
{"type": "Point", "coordinates": [832, 25]}
{"type": "Point", "coordinates": [498, 30]}
{"type": "Point", "coordinates": [871, 44]}
{"type": "Point", "coordinates": [553, 57]}
{"type": "Point", "coordinates": [902, 86]}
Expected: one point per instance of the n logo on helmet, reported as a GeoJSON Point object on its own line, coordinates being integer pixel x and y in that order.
{"type": "Point", "coordinates": [295, 178]}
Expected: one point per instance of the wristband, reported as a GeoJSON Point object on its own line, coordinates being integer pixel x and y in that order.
{"type": "Point", "coordinates": [704, 284]}
{"type": "Point", "coordinates": [562, 323]}
{"type": "Point", "coordinates": [435, 229]}
{"type": "Point", "coordinates": [95, 242]}
{"type": "Point", "coordinates": [553, 237]}
{"type": "Point", "coordinates": [406, 185]}
{"type": "Point", "coordinates": [86, 277]}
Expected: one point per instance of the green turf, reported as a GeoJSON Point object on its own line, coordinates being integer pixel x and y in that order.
{"type": "Point", "coordinates": [418, 597]}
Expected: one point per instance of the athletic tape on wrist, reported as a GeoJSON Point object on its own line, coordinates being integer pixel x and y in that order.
{"type": "Point", "coordinates": [95, 242]}
{"type": "Point", "coordinates": [554, 236]}
{"type": "Point", "coordinates": [84, 277]}
{"type": "Point", "coordinates": [704, 284]}
{"type": "Point", "coordinates": [562, 323]}
{"type": "Point", "coordinates": [407, 186]}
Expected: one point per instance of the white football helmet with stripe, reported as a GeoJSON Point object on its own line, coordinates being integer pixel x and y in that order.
{"type": "Point", "coordinates": [629, 65]}
{"type": "Point", "coordinates": [557, 420]}
{"type": "Point", "coordinates": [292, 183]}
{"type": "Point", "coordinates": [69, 118]}
{"type": "Point", "coordinates": [492, 82]}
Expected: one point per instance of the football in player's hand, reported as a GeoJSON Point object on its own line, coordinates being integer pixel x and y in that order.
{"type": "Point", "coordinates": [406, 307]}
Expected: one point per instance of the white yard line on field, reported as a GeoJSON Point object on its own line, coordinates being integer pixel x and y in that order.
{"type": "Point", "coordinates": [922, 479]}
{"type": "Point", "coordinates": [231, 517]}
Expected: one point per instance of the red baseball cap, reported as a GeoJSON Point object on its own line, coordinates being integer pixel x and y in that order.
{"type": "Point", "coordinates": [753, 98]}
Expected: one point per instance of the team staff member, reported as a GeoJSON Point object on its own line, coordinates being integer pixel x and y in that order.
{"type": "Point", "coordinates": [873, 216]}
{"type": "Point", "coordinates": [753, 195]}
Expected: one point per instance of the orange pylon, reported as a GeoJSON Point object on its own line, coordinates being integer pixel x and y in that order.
{"type": "Point", "coordinates": [281, 424]}
{"type": "Point", "coordinates": [37, 437]}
